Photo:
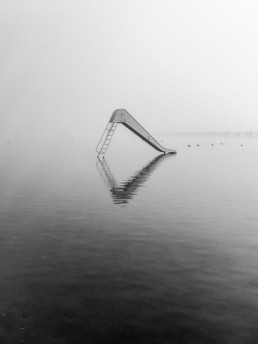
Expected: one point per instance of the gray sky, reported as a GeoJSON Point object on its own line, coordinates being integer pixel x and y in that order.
{"type": "Point", "coordinates": [188, 65]}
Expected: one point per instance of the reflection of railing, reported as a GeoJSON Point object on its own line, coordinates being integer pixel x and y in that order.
{"type": "Point", "coordinates": [123, 192]}
{"type": "Point", "coordinates": [123, 117]}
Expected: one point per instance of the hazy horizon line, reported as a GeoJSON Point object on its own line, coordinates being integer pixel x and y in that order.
{"type": "Point", "coordinates": [226, 132]}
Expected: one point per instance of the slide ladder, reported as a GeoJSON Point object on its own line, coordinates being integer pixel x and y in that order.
{"type": "Point", "coordinates": [123, 117]}
{"type": "Point", "coordinates": [106, 137]}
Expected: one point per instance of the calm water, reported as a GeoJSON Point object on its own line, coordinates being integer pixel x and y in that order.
{"type": "Point", "coordinates": [139, 248]}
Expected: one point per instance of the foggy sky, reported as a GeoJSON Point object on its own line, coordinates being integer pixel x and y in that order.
{"type": "Point", "coordinates": [188, 65]}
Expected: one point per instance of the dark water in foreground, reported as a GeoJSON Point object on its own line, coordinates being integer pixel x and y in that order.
{"type": "Point", "coordinates": [137, 249]}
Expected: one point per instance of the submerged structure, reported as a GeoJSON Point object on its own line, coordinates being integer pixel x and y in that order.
{"type": "Point", "coordinates": [123, 117]}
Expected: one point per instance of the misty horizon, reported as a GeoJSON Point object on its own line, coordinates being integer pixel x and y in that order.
{"type": "Point", "coordinates": [189, 66]}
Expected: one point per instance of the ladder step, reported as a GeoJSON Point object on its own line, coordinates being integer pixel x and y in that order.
{"type": "Point", "coordinates": [109, 132]}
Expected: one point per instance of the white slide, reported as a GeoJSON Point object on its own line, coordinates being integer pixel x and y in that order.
{"type": "Point", "coordinates": [123, 117]}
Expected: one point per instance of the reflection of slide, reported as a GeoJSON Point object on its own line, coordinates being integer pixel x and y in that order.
{"type": "Point", "coordinates": [122, 192]}
{"type": "Point", "coordinates": [123, 117]}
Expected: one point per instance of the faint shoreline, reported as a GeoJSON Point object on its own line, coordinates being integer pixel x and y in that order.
{"type": "Point", "coordinates": [214, 133]}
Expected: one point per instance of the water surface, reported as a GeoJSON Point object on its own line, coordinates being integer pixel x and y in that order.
{"type": "Point", "coordinates": [139, 248]}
